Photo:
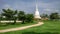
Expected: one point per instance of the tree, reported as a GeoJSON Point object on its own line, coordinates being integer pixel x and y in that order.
{"type": "Point", "coordinates": [21, 16]}
{"type": "Point", "coordinates": [29, 17]}
{"type": "Point", "coordinates": [0, 18]}
{"type": "Point", "coordinates": [15, 17]}
{"type": "Point", "coordinates": [9, 14]}
{"type": "Point", "coordinates": [44, 16]}
{"type": "Point", "coordinates": [54, 16]}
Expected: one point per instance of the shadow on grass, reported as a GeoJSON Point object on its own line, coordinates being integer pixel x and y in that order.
{"type": "Point", "coordinates": [39, 33]}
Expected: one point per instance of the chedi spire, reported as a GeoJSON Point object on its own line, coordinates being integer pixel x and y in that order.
{"type": "Point", "coordinates": [37, 15]}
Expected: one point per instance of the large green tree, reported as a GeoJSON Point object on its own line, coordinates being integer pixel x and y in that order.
{"type": "Point", "coordinates": [29, 17]}
{"type": "Point", "coordinates": [54, 16]}
{"type": "Point", "coordinates": [21, 16]}
{"type": "Point", "coordinates": [9, 14]}
{"type": "Point", "coordinates": [25, 17]}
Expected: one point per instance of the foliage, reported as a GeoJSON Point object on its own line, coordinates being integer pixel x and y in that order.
{"type": "Point", "coordinates": [54, 16]}
{"type": "Point", "coordinates": [25, 17]}
{"type": "Point", "coordinates": [29, 17]}
{"type": "Point", "coordinates": [9, 14]}
{"type": "Point", "coordinates": [21, 16]}
{"type": "Point", "coordinates": [14, 15]}
{"type": "Point", "coordinates": [44, 16]}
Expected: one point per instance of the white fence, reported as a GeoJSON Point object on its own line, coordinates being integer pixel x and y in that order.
{"type": "Point", "coordinates": [9, 21]}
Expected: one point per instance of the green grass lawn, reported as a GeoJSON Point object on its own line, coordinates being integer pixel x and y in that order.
{"type": "Point", "coordinates": [49, 27]}
{"type": "Point", "coordinates": [15, 25]}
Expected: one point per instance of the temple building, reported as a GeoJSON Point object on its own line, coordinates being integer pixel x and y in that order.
{"type": "Point", "coordinates": [37, 15]}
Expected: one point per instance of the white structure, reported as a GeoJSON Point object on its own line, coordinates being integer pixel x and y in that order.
{"type": "Point", "coordinates": [37, 15]}
{"type": "Point", "coordinates": [9, 21]}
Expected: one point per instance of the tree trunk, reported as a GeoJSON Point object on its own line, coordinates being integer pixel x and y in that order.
{"type": "Point", "coordinates": [23, 22]}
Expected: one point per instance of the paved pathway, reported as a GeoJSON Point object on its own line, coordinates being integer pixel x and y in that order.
{"type": "Point", "coordinates": [21, 28]}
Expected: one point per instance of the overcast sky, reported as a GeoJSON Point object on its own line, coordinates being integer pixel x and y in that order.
{"type": "Point", "coordinates": [44, 6]}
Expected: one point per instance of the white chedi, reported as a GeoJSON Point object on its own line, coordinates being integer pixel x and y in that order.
{"type": "Point", "coordinates": [37, 15]}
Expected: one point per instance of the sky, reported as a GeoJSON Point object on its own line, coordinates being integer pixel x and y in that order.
{"type": "Point", "coordinates": [29, 6]}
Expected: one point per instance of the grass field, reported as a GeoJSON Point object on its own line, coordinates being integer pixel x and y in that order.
{"type": "Point", "coordinates": [15, 25]}
{"type": "Point", "coordinates": [49, 27]}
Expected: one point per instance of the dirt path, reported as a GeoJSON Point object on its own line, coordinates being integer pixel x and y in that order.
{"type": "Point", "coordinates": [21, 28]}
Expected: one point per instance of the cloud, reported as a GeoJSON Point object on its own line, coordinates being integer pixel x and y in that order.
{"type": "Point", "coordinates": [29, 5]}
{"type": "Point", "coordinates": [56, 10]}
{"type": "Point", "coordinates": [47, 9]}
{"type": "Point", "coordinates": [51, 10]}
{"type": "Point", "coordinates": [6, 6]}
